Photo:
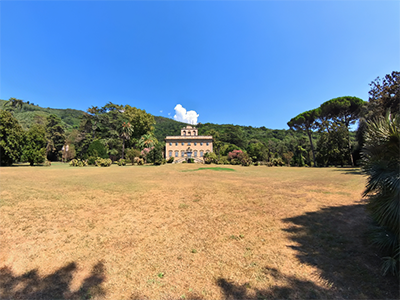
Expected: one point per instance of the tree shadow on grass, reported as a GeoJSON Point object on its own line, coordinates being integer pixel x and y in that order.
{"type": "Point", "coordinates": [31, 286]}
{"type": "Point", "coordinates": [350, 171]}
{"type": "Point", "coordinates": [334, 240]}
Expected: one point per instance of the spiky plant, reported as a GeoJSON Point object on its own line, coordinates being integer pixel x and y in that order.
{"type": "Point", "coordinates": [381, 157]}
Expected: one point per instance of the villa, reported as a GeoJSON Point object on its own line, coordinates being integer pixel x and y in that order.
{"type": "Point", "coordinates": [188, 145]}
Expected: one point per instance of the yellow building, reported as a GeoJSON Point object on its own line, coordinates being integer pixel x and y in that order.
{"type": "Point", "coordinates": [188, 145]}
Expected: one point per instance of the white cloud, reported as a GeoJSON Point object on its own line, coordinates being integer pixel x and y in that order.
{"type": "Point", "coordinates": [160, 111]}
{"type": "Point", "coordinates": [182, 115]}
{"type": "Point", "coordinates": [169, 114]}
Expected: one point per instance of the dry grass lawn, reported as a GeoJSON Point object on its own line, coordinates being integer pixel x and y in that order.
{"type": "Point", "coordinates": [180, 232]}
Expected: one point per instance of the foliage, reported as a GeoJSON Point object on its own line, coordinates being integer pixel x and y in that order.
{"type": "Point", "coordinates": [92, 160]}
{"type": "Point", "coordinates": [147, 141]}
{"type": "Point", "coordinates": [121, 162]}
{"type": "Point", "coordinates": [103, 162]}
{"type": "Point", "coordinates": [383, 96]}
{"type": "Point", "coordinates": [131, 154]}
{"type": "Point", "coordinates": [139, 161]}
{"type": "Point", "coordinates": [97, 149]}
{"type": "Point", "coordinates": [11, 137]}
{"type": "Point", "coordinates": [145, 152]}
{"type": "Point", "coordinates": [210, 157]}
{"type": "Point", "coordinates": [223, 160]}
{"type": "Point", "coordinates": [382, 164]}
{"type": "Point", "coordinates": [307, 122]}
{"type": "Point", "coordinates": [190, 160]}
{"type": "Point", "coordinates": [343, 111]}
{"type": "Point", "coordinates": [78, 163]}
{"type": "Point", "coordinates": [170, 160]}
{"type": "Point", "coordinates": [55, 135]}
{"type": "Point", "coordinates": [155, 155]}
{"type": "Point", "coordinates": [126, 133]}
{"type": "Point", "coordinates": [34, 150]}
{"type": "Point", "coordinates": [244, 159]}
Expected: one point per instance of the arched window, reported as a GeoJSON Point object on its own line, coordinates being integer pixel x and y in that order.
{"type": "Point", "coordinates": [201, 153]}
{"type": "Point", "coordinates": [176, 153]}
{"type": "Point", "coordinates": [182, 153]}
{"type": "Point", "coordinates": [170, 153]}
{"type": "Point", "coordinates": [208, 151]}
{"type": "Point", "coordinates": [195, 153]}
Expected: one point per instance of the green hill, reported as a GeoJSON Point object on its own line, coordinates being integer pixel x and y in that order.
{"type": "Point", "coordinates": [234, 134]}
{"type": "Point", "coordinates": [29, 112]}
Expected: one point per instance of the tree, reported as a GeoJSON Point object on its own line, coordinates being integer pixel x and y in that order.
{"type": "Point", "coordinates": [140, 120]}
{"type": "Point", "coordinates": [306, 121]}
{"type": "Point", "coordinates": [55, 135]}
{"type": "Point", "coordinates": [216, 141]}
{"type": "Point", "coordinates": [345, 110]}
{"type": "Point", "coordinates": [383, 96]}
{"type": "Point", "coordinates": [34, 150]}
{"type": "Point", "coordinates": [126, 133]}
{"type": "Point", "coordinates": [11, 139]}
{"type": "Point", "coordinates": [147, 140]}
{"type": "Point", "coordinates": [382, 164]}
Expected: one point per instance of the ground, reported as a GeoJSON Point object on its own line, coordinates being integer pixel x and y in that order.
{"type": "Point", "coordinates": [185, 231]}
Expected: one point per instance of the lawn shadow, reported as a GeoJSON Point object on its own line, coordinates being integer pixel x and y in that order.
{"type": "Point", "coordinates": [350, 171]}
{"type": "Point", "coordinates": [31, 286]}
{"type": "Point", "coordinates": [334, 239]}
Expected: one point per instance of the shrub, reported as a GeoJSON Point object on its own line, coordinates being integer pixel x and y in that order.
{"type": "Point", "coordinates": [170, 160]}
{"type": "Point", "coordinates": [223, 160]}
{"type": "Point", "coordinates": [78, 163]}
{"type": "Point", "coordinates": [131, 154]}
{"type": "Point", "coordinates": [139, 161]}
{"type": "Point", "coordinates": [91, 160]}
{"type": "Point", "coordinates": [210, 157]}
{"type": "Point", "coordinates": [190, 160]}
{"type": "Point", "coordinates": [277, 161]}
{"type": "Point", "coordinates": [245, 159]}
{"type": "Point", "coordinates": [103, 162]}
{"type": "Point", "coordinates": [121, 162]}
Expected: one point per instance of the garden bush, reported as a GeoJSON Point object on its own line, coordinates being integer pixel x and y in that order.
{"type": "Point", "coordinates": [121, 162]}
{"type": "Point", "coordinates": [170, 160]}
{"type": "Point", "coordinates": [92, 160]}
{"type": "Point", "coordinates": [78, 163]}
{"type": "Point", "coordinates": [97, 149]}
{"type": "Point", "coordinates": [190, 160]}
{"type": "Point", "coordinates": [139, 161]}
{"type": "Point", "coordinates": [210, 157]}
{"type": "Point", "coordinates": [103, 162]}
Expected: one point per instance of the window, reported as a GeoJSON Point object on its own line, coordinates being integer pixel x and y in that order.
{"type": "Point", "coordinates": [195, 144]}
{"type": "Point", "coordinates": [195, 153]}
{"type": "Point", "coordinates": [208, 143]}
{"type": "Point", "coordinates": [176, 153]}
{"type": "Point", "coordinates": [183, 144]}
{"type": "Point", "coordinates": [201, 144]}
{"type": "Point", "coordinates": [201, 153]}
{"type": "Point", "coordinates": [176, 144]}
{"type": "Point", "coordinates": [189, 144]}
{"type": "Point", "coordinates": [170, 153]}
{"type": "Point", "coordinates": [208, 151]}
{"type": "Point", "coordinates": [183, 153]}
{"type": "Point", "coordinates": [170, 144]}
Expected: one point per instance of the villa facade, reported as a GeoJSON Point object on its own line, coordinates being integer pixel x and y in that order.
{"type": "Point", "coordinates": [188, 145]}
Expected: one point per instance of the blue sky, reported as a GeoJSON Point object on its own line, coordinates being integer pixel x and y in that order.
{"type": "Point", "coordinates": [253, 63]}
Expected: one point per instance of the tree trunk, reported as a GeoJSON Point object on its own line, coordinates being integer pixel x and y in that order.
{"type": "Point", "coordinates": [349, 146]}
{"type": "Point", "coordinates": [349, 143]}
{"type": "Point", "coordinates": [312, 146]}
